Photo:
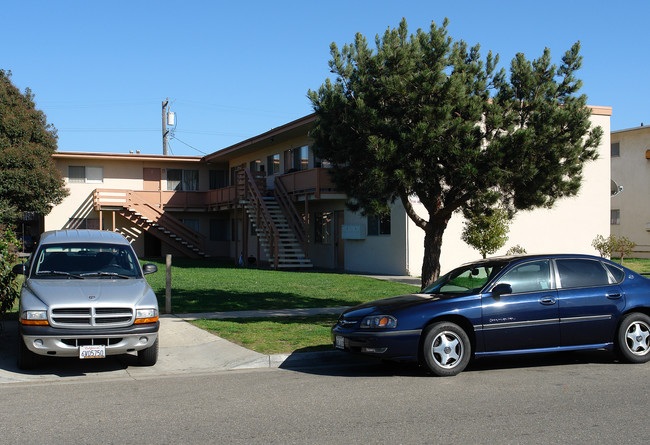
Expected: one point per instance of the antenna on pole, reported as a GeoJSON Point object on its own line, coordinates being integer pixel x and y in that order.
{"type": "Point", "coordinates": [165, 132]}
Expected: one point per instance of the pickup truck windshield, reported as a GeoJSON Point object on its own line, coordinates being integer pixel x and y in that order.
{"type": "Point", "coordinates": [85, 261]}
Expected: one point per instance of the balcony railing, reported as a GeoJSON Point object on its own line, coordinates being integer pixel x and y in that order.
{"type": "Point", "coordinates": [316, 181]}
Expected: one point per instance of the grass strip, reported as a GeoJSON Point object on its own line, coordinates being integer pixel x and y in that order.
{"type": "Point", "coordinates": [213, 286]}
{"type": "Point", "coordinates": [276, 335]}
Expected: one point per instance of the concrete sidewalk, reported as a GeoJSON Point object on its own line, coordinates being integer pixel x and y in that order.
{"type": "Point", "coordinates": [184, 349]}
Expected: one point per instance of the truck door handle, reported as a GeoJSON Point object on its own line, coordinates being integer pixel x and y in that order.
{"type": "Point", "coordinates": [614, 296]}
{"type": "Point", "coordinates": [547, 300]}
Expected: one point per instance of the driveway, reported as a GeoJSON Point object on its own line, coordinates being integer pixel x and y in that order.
{"type": "Point", "coordinates": [184, 349]}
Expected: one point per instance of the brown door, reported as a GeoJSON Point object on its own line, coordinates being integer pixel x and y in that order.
{"type": "Point", "coordinates": [338, 240]}
{"type": "Point", "coordinates": [151, 177]}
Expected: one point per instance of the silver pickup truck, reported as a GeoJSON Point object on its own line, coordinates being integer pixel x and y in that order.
{"type": "Point", "coordinates": [85, 296]}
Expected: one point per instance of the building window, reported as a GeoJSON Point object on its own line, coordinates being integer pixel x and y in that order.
{"type": "Point", "coordinates": [322, 163]}
{"type": "Point", "coordinates": [192, 223]}
{"type": "Point", "coordinates": [218, 230]}
{"type": "Point", "coordinates": [186, 180]}
{"type": "Point", "coordinates": [378, 225]}
{"type": "Point", "coordinates": [301, 158]}
{"type": "Point", "coordinates": [88, 175]}
{"type": "Point", "coordinates": [616, 149]}
{"type": "Point", "coordinates": [217, 179]}
{"type": "Point", "coordinates": [615, 217]}
{"type": "Point", "coordinates": [273, 164]}
{"type": "Point", "coordinates": [323, 227]}
{"type": "Point", "coordinates": [256, 166]}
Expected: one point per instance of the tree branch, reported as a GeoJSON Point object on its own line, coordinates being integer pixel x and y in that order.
{"type": "Point", "coordinates": [420, 222]}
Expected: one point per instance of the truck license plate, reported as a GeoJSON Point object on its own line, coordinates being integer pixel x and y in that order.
{"type": "Point", "coordinates": [340, 342]}
{"type": "Point", "coordinates": [94, 351]}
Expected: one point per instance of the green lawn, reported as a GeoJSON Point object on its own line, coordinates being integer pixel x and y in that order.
{"type": "Point", "coordinates": [275, 335]}
{"type": "Point", "coordinates": [207, 286]}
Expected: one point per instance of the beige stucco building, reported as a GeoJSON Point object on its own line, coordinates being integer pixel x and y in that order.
{"type": "Point", "coordinates": [269, 199]}
{"type": "Point", "coordinates": [630, 211]}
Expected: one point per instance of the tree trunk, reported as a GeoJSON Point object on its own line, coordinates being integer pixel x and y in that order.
{"type": "Point", "coordinates": [432, 250]}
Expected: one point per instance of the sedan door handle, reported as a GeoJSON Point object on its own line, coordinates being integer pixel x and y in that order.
{"type": "Point", "coordinates": [547, 300]}
{"type": "Point", "coordinates": [614, 296]}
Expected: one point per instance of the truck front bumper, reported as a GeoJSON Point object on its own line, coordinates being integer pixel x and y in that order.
{"type": "Point", "coordinates": [46, 340]}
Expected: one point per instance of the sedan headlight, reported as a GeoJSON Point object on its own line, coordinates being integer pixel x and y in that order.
{"type": "Point", "coordinates": [379, 321]}
{"type": "Point", "coordinates": [36, 318]}
{"type": "Point", "coordinates": [146, 316]}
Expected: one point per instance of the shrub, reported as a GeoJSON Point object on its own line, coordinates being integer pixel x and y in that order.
{"type": "Point", "coordinates": [8, 283]}
{"type": "Point", "coordinates": [621, 245]}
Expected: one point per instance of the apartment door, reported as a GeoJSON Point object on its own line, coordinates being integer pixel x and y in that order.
{"type": "Point", "coordinates": [339, 252]}
{"type": "Point", "coordinates": [151, 178]}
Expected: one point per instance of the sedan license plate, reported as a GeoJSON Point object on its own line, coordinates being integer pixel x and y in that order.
{"type": "Point", "coordinates": [94, 351]}
{"type": "Point", "coordinates": [339, 342]}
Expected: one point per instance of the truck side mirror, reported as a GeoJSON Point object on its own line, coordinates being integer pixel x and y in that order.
{"type": "Point", "coordinates": [149, 268]}
{"type": "Point", "coordinates": [19, 269]}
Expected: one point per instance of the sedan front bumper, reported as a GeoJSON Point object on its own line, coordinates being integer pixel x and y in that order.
{"type": "Point", "coordinates": [387, 344]}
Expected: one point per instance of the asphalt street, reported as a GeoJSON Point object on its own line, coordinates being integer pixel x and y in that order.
{"type": "Point", "coordinates": [583, 398]}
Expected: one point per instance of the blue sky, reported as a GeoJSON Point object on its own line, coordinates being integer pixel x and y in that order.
{"type": "Point", "coordinates": [232, 70]}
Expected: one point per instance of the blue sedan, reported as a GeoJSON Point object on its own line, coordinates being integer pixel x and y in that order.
{"type": "Point", "coordinates": [509, 305]}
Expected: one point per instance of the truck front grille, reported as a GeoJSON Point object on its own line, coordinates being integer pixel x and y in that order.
{"type": "Point", "coordinates": [79, 317]}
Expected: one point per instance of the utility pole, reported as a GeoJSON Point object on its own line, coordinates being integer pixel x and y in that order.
{"type": "Point", "coordinates": [165, 133]}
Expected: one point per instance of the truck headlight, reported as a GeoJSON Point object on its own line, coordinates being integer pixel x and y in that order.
{"type": "Point", "coordinates": [379, 321]}
{"type": "Point", "coordinates": [149, 315]}
{"type": "Point", "coordinates": [35, 318]}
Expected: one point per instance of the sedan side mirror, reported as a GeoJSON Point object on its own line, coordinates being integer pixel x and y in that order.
{"type": "Point", "coordinates": [503, 288]}
{"type": "Point", "coordinates": [19, 269]}
{"type": "Point", "coordinates": [149, 268]}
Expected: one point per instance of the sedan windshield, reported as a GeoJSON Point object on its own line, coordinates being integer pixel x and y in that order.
{"type": "Point", "coordinates": [467, 279]}
{"type": "Point", "coordinates": [85, 261]}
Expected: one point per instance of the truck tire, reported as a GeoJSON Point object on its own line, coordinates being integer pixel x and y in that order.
{"type": "Point", "coordinates": [26, 358]}
{"type": "Point", "coordinates": [149, 356]}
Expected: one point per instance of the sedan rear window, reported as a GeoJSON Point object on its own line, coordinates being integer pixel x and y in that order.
{"type": "Point", "coordinates": [581, 273]}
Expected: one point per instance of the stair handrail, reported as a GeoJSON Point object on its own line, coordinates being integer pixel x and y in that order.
{"type": "Point", "coordinates": [290, 211]}
{"type": "Point", "coordinates": [150, 211]}
{"type": "Point", "coordinates": [264, 219]}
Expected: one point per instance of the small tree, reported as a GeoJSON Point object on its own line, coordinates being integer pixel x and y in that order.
{"type": "Point", "coordinates": [623, 246]}
{"type": "Point", "coordinates": [603, 245]}
{"type": "Point", "coordinates": [606, 247]}
{"type": "Point", "coordinates": [8, 283]}
{"type": "Point", "coordinates": [516, 250]}
{"type": "Point", "coordinates": [487, 232]}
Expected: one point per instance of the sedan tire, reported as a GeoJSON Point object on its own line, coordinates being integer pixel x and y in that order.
{"type": "Point", "coordinates": [446, 349]}
{"type": "Point", "coordinates": [633, 338]}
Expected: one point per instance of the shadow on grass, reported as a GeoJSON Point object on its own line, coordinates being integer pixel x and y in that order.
{"type": "Point", "coordinates": [219, 300]}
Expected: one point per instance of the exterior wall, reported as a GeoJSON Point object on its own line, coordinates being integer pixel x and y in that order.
{"type": "Point", "coordinates": [119, 173]}
{"type": "Point", "coordinates": [569, 227]}
{"type": "Point", "coordinates": [378, 254]}
{"type": "Point", "coordinates": [631, 170]}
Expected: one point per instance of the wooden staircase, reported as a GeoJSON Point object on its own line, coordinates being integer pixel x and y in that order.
{"type": "Point", "coordinates": [158, 223]}
{"type": "Point", "coordinates": [277, 236]}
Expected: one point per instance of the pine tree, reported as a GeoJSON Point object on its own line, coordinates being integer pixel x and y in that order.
{"type": "Point", "coordinates": [423, 115]}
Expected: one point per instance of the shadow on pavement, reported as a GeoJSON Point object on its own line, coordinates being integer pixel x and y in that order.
{"type": "Point", "coordinates": [55, 366]}
{"type": "Point", "coordinates": [342, 364]}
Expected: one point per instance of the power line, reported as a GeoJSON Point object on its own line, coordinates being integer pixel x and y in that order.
{"type": "Point", "coordinates": [185, 143]}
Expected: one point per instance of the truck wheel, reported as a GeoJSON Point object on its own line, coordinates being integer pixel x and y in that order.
{"type": "Point", "coordinates": [26, 358]}
{"type": "Point", "coordinates": [149, 356]}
